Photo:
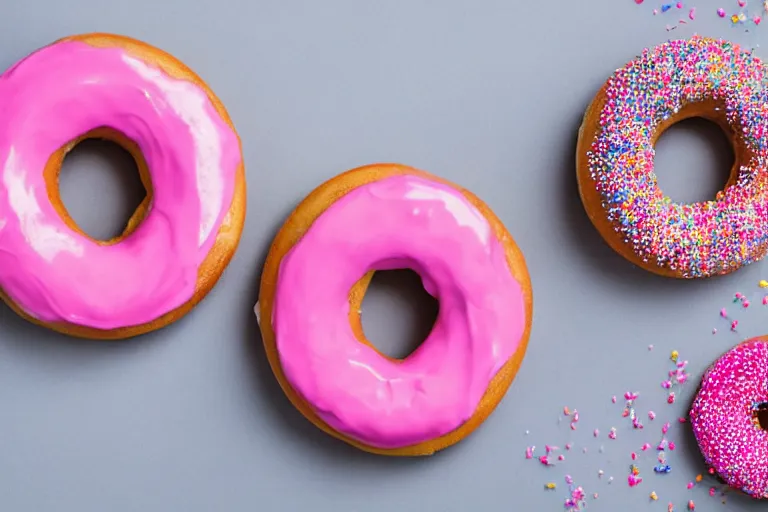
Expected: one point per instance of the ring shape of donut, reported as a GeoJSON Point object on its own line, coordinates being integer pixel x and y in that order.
{"type": "Point", "coordinates": [725, 417]}
{"type": "Point", "coordinates": [700, 77]}
{"type": "Point", "coordinates": [384, 217]}
{"type": "Point", "coordinates": [180, 238]}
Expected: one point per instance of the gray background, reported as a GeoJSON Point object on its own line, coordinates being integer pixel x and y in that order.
{"type": "Point", "coordinates": [488, 94]}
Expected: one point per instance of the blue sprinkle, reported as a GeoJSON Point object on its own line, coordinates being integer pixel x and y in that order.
{"type": "Point", "coordinates": [662, 468]}
{"type": "Point", "coordinates": [666, 7]}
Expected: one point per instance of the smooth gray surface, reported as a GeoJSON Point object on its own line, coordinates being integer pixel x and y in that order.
{"type": "Point", "coordinates": [488, 94]}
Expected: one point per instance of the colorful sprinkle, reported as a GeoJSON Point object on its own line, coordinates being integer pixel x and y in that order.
{"type": "Point", "coordinates": [653, 496]}
{"type": "Point", "coordinates": [700, 239]}
{"type": "Point", "coordinates": [721, 12]}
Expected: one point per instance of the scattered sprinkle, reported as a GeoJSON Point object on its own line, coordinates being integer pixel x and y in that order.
{"type": "Point", "coordinates": [653, 496]}
{"type": "Point", "coordinates": [551, 485]}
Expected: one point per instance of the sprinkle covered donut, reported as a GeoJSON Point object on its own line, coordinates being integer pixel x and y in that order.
{"type": "Point", "coordinates": [726, 417]}
{"type": "Point", "coordinates": [700, 77]}
{"type": "Point", "coordinates": [383, 217]}
{"type": "Point", "coordinates": [181, 237]}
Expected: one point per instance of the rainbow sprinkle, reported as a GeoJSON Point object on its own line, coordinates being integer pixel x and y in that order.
{"type": "Point", "coordinates": [700, 239]}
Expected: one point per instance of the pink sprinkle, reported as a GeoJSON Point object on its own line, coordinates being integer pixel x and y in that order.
{"type": "Point", "coordinates": [745, 303]}
{"type": "Point", "coordinates": [573, 425]}
{"type": "Point", "coordinates": [596, 433]}
{"type": "Point", "coordinates": [561, 457]}
{"type": "Point", "coordinates": [734, 324]}
{"type": "Point", "coordinates": [737, 294]}
{"type": "Point", "coordinates": [765, 300]}
{"type": "Point", "coordinates": [544, 460]}
{"type": "Point", "coordinates": [549, 449]}
{"type": "Point", "coordinates": [612, 433]}
{"type": "Point", "coordinates": [714, 331]}
{"type": "Point", "coordinates": [645, 446]}
{"type": "Point", "coordinates": [633, 455]}
{"type": "Point", "coordinates": [690, 485]}
{"type": "Point", "coordinates": [756, 20]}
{"type": "Point", "coordinates": [662, 457]}
{"type": "Point", "coordinates": [665, 428]}
{"type": "Point", "coordinates": [568, 479]}
{"type": "Point", "coordinates": [613, 399]}
{"type": "Point", "coordinates": [529, 452]}
{"type": "Point", "coordinates": [679, 5]}
{"type": "Point", "coordinates": [650, 347]}
{"type": "Point", "coordinates": [638, 2]}
{"type": "Point", "coordinates": [651, 415]}
{"type": "Point", "coordinates": [681, 420]}
{"type": "Point", "coordinates": [721, 13]}
{"type": "Point", "coordinates": [662, 445]}
{"type": "Point", "coordinates": [575, 416]}
{"type": "Point", "coordinates": [630, 396]}
{"type": "Point", "coordinates": [723, 313]}
{"type": "Point", "coordinates": [692, 14]}
{"type": "Point", "coordinates": [568, 446]}
{"type": "Point", "coordinates": [712, 491]}
{"type": "Point", "coordinates": [567, 412]}
{"type": "Point", "coordinates": [671, 445]}
{"type": "Point", "coordinates": [671, 398]}
{"type": "Point", "coordinates": [666, 384]}
{"type": "Point", "coordinates": [691, 505]}
{"type": "Point", "coordinates": [742, 3]}
{"type": "Point", "coordinates": [633, 480]}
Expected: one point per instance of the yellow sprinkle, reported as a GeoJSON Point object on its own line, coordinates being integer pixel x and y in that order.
{"type": "Point", "coordinates": [735, 18]}
{"type": "Point", "coordinates": [763, 283]}
{"type": "Point", "coordinates": [654, 497]}
{"type": "Point", "coordinates": [699, 478]}
{"type": "Point", "coordinates": [674, 356]}
{"type": "Point", "coordinates": [551, 485]}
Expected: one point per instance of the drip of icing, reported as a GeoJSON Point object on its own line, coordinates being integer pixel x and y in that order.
{"type": "Point", "coordinates": [55, 274]}
{"type": "Point", "coordinates": [397, 222]}
{"type": "Point", "coordinates": [700, 239]}
{"type": "Point", "coordinates": [729, 438]}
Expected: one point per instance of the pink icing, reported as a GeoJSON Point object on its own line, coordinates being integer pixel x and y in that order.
{"type": "Point", "coordinates": [722, 417]}
{"type": "Point", "coordinates": [398, 222]}
{"type": "Point", "coordinates": [54, 274]}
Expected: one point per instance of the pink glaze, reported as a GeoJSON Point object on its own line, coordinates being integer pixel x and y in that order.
{"type": "Point", "coordinates": [722, 417]}
{"type": "Point", "coordinates": [398, 222]}
{"type": "Point", "coordinates": [56, 275]}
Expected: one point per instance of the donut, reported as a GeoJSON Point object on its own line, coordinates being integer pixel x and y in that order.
{"type": "Point", "coordinates": [383, 217]}
{"type": "Point", "coordinates": [700, 77]}
{"type": "Point", "coordinates": [726, 417]}
{"type": "Point", "coordinates": [181, 237]}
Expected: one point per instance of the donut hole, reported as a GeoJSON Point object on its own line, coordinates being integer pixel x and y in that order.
{"type": "Point", "coordinates": [694, 159]}
{"type": "Point", "coordinates": [760, 415]}
{"type": "Point", "coordinates": [397, 313]}
{"type": "Point", "coordinates": [100, 188]}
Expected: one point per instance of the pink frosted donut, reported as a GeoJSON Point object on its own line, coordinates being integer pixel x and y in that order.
{"type": "Point", "coordinates": [182, 236]}
{"type": "Point", "coordinates": [383, 217]}
{"type": "Point", "coordinates": [724, 417]}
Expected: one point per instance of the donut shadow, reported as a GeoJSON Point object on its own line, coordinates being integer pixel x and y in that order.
{"type": "Point", "coordinates": [48, 346]}
{"type": "Point", "coordinates": [594, 256]}
{"type": "Point", "coordinates": [289, 419]}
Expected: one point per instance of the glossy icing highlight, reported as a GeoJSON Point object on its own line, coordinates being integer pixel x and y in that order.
{"type": "Point", "coordinates": [55, 274]}
{"type": "Point", "coordinates": [396, 222]}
